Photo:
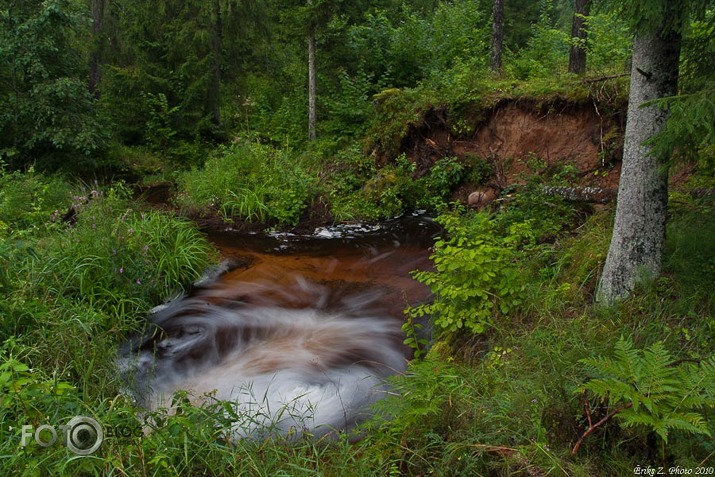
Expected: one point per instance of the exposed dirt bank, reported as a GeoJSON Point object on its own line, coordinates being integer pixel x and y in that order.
{"type": "Point", "coordinates": [579, 142]}
{"type": "Point", "coordinates": [526, 137]}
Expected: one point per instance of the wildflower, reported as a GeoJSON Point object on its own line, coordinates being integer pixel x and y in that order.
{"type": "Point", "coordinates": [139, 282]}
{"type": "Point", "coordinates": [121, 270]}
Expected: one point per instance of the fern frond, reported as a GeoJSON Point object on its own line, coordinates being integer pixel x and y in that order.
{"type": "Point", "coordinates": [628, 358]}
{"type": "Point", "coordinates": [612, 390]}
{"type": "Point", "coordinates": [688, 421]}
{"type": "Point", "coordinates": [646, 388]}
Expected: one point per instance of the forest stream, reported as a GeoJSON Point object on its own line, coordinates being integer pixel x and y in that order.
{"type": "Point", "coordinates": [299, 331]}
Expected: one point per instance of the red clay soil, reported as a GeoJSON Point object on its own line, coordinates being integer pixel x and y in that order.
{"type": "Point", "coordinates": [515, 133]}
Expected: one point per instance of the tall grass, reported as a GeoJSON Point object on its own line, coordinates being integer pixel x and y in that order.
{"type": "Point", "coordinates": [121, 260]}
{"type": "Point", "coordinates": [252, 182]}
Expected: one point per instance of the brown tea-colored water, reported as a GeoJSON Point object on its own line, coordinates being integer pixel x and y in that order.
{"type": "Point", "coordinates": [377, 262]}
{"type": "Point", "coordinates": [300, 334]}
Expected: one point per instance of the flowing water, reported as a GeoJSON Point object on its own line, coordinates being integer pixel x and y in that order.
{"type": "Point", "coordinates": [299, 332]}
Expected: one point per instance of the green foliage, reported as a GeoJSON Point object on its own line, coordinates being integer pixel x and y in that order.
{"type": "Point", "coordinates": [119, 260]}
{"type": "Point", "coordinates": [161, 66]}
{"type": "Point", "coordinates": [549, 215]}
{"type": "Point", "coordinates": [250, 181]}
{"type": "Point", "coordinates": [413, 332]}
{"type": "Point", "coordinates": [608, 44]}
{"type": "Point", "coordinates": [45, 108]}
{"type": "Point", "coordinates": [689, 129]}
{"type": "Point", "coordinates": [546, 52]}
{"type": "Point", "coordinates": [689, 134]}
{"type": "Point", "coordinates": [359, 190]}
{"type": "Point", "coordinates": [477, 273]}
{"type": "Point", "coordinates": [441, 179]}
{"type": "Point", "coordinates": [690, 253]}
{"type": "Point", "coordinates": [346, 175]}
{"type": "Point", "coordinates": [651, 15]}
{"type": "Point", "coordinates": [25, 392]}
{"type": "Point", "coordinates": [412, 46]}
{"type": "Point", "coordinates": [30, 201]}
{"type": "Point", "coordinates": [159, 130]}
{"type": "Point", "coordinates": [396, 111]}
{"type": "Point", "coordinates": [425, 399]}
{"type": "Point", "coordinates": [650, 388]}
{"type": "Point", "coordinates": [348, 108]}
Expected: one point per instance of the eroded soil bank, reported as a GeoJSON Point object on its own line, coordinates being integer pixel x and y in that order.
{"type": "Point", "coordinates": [522, 138]}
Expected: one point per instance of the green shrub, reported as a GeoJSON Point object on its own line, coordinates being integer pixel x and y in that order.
{"type": "Point", "coordinates": [438, 183]}
{"type": "Point", "coordinates": [30, 201]}
{"type": "Point", "coordinates": [548, 214]}
{"type": "Point", "coordinates": [547, 49]}
{"type": "Point", "coordinates": [396, 111]}
{"type": "Point", "coordinates": [25, 392]}
{"type": "Point", "coordinates": [476, 272]}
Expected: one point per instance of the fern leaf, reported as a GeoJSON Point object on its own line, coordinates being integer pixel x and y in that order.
{"type": "Point", "coordinates": [652, 390]}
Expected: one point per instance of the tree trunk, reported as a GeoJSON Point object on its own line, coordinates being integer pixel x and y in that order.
{"type": "Point", "coordinates": [636, 247]}
{"type": "Point", "coordinates": [311, 86]}
{"type": "Point", "coordinates": [96, 53]}
{"type": "Point", "coordinates": [213, 96]}
{"type": "Point", "coordinates": [577, 54]}
{"type": "Point", "coordinates": [495, 63]}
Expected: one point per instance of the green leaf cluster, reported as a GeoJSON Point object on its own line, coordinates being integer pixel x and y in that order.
{"type": "Point", "coordinates": [476, 274]}
{"type": "Point", "coordinates": [653, 389]}
{"type": "Point", "coordinates": [25, 391]}
{"type": "Point", "coordinates": [28, 201]}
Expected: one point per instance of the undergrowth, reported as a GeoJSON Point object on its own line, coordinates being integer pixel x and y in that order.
{"type": "Point", "coordinates": [254, 182]}
{"type": "Point", "coordinates": [507, 401]}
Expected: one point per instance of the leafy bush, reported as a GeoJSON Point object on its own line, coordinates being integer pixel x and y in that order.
{"type": "Point", "coordinates": [546, 52]}
{"type": "Point", "coordinates": [608, 44]}
{"type": "Point", "coordinates": [25, 391]}
{"type": "Point", "coordinates": [349, 107]}
{"type": "Point", "coordinates": [439, 181]}
{"type": "Point", "coordinates": [549, 215]}
{"type": "Point", "coordinates": [404, 50]}
{"type": "Point", "coordinates": [396, 111]}
{"type": "Point", "coordinates": [29, 201]}
{"type": "Point", "coordinates": [477, 274]}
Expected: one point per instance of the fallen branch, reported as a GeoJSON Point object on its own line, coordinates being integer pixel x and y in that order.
{"type": "Point", "coordinates": [591, 426]}
{"type": "Point", "coordinates": [583, 194]}
{"type": "Point", "coordinates": [604, 78]}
